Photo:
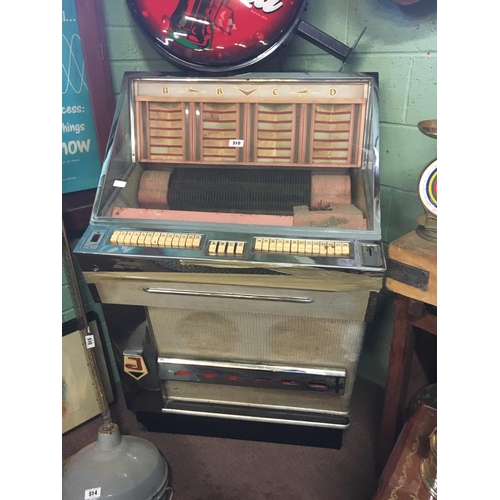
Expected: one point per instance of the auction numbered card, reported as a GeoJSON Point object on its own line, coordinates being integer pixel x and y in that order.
{"type": "Point", "coordinates": [81, 165]}
{"type": "Point", "coordinates": [93, 493]}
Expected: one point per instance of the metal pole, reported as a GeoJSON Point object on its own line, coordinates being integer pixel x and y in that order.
{"type": "Point", "coordinates": [83, 327]}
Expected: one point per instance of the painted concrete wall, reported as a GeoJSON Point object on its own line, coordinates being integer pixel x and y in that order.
{"type": "Point", "coordinates": [400, 43]}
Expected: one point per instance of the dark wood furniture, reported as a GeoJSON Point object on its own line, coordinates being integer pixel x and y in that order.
{"type": "Point", "coordinates": [411, 275]}
{"type": "Point", "coordinates": [401, 478]}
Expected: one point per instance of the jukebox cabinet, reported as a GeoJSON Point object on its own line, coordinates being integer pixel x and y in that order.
{"type": "Point", "coordinates": [235, 243]}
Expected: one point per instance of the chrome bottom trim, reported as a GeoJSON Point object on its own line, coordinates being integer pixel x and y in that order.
{"type": "Point", "coordinates": [282, 408]}
{"type": "Point", "coordinates": [248, 413]}
{"type": "Point", "coordinates": [256, 419]}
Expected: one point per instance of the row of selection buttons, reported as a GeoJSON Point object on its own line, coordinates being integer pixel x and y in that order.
{"type": "Point", "coordinates": [216, 247]}
{"type": "Point", "coordinates": [309, 247]}
{"type": "Point", "coordinates": [152, 239]}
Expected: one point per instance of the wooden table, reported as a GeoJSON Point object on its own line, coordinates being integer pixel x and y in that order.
{"type": "Point", "coordinates": [402, 478]}
{"type": "Point", "coordinates": [412, 276]}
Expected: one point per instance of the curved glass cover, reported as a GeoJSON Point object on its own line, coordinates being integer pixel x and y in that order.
{"type": "Point", "coordinates": [282, 152]}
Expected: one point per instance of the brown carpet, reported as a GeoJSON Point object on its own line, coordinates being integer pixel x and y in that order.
{"type": "Point", "coordinates": [208, 468]}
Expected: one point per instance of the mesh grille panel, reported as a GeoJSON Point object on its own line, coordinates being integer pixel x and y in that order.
{"type": "Point", "coordinates": [256, 338]}
{"type": "Point", "coordinates": [296, 341]}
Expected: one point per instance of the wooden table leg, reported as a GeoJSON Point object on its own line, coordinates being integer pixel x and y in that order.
{"type": "Point", "coordinates": [402, 347]}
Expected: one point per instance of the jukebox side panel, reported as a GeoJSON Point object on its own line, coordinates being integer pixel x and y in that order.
{"type": "Point", "coordinates": [135, 355]}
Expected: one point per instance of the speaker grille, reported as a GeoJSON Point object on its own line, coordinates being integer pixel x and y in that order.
{"type": "Point", "coordinates": [258, 338]}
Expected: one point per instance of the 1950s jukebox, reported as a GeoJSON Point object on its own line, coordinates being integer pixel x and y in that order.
{"type": "Point", "coordinates": [235, 243]}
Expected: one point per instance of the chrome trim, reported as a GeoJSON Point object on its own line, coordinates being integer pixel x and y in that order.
{"type": "Point", "coordinates": [256, 367]}
{"type": "Point", "coordinates": [313, 411]}
{"type": "Point", "coordinates": [224, 295]}
{"type": "Point", "coordinates": [258, 419]}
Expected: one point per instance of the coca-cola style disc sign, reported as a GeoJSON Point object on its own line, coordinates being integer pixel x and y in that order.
{"type": "Point", "coordinates": [216, 35]}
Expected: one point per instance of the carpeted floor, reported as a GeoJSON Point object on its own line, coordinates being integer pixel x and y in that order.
{"type": "Point", "coordinates": [210, 468]}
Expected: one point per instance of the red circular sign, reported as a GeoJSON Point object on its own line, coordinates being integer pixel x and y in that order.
{"type": "Point", "coordinates": [216, 35]}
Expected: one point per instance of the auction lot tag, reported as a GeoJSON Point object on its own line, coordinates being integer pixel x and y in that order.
{"type": "Point", "coordinates": [89, 341]}
{"type": "Point", "coordinates": [93, 493]}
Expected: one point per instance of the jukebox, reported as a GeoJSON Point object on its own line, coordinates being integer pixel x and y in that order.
{"type": "Point", "coordinates": [235, 243]}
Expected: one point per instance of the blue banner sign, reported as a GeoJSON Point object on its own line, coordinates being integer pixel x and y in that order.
{"type": "Point", "coordinates": [81, 164]}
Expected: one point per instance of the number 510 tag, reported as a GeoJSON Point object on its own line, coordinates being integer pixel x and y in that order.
{"type": "Point", "coordinates": [93, 493]}
{"type": "Point", "coordinates": [236, 143]}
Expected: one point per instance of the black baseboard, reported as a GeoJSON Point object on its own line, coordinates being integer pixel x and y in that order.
{"type": "Point", "coordinates": [239, 429]}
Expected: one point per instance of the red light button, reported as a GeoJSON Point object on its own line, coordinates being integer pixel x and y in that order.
{"type": "Point", "coordinates": [318, 386]}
